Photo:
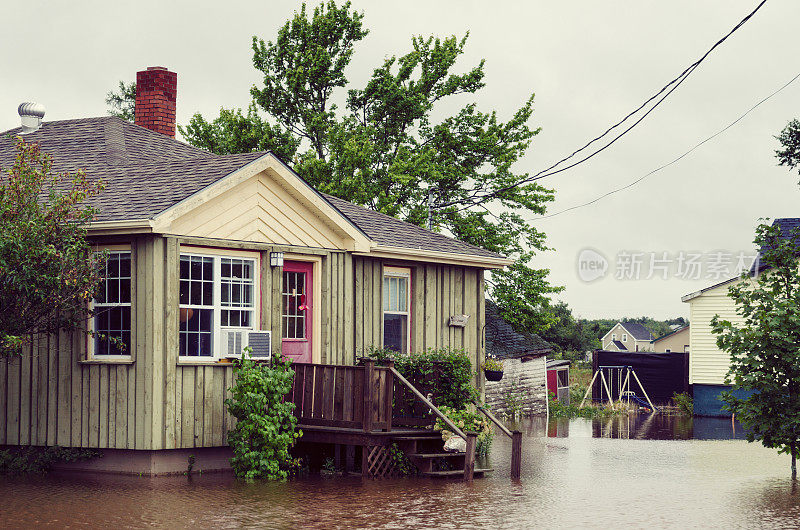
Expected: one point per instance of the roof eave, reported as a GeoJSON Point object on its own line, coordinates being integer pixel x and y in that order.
{"type": "Point", "coordinates": [413, 254]}
{"type": "Point", "coordinates": [129, 226]}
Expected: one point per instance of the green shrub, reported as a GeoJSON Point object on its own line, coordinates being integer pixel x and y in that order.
{"type": "Point", "coordinates": [559, 409]}
{"type": "Point", "coordinates": [25, 460]}
{"type": "Point", "coordinates": [468, 421]}
{"type": "Point", "coordinates": [455, 388]}
{"type": "Point", "coordinates": [266, 428]}
{"type": "Point", "coordinates": [684, 403]}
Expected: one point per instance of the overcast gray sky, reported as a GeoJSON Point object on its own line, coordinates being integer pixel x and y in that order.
{"type": "Point", "coordinates": [589, 62]}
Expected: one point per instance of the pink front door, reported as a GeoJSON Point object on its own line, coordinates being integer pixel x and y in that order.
{"type": "Point", "coordinates": [297, 308]}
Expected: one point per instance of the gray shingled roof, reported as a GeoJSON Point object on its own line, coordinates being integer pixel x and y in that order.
{"type": "Point", "coordinates": [638, 331]}
{"type": "Point", "coordinates": [505, 343]}
{"type": "Point", "coordinates": [389, 231]}
{"type": "Point", "coordinates": [146, 172]}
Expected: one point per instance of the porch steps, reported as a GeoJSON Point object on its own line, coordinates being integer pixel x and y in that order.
{"type": "Point", "coordinates": [418, 437]}
{"type": "Point", "coordinates": [435, 455]}
{"type": "Point", "coordinates": [455, 473]}
{"type": "Point", "coordinates": [425, 451]}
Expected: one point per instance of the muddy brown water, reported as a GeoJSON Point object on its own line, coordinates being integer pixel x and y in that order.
{"type": "Point", "coordinates": [638, 472]}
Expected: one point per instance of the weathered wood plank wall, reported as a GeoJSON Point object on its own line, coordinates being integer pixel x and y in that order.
{"type": "Point", "coordinates": [51, 395]}
{"type": "Point", "coordinates": [439, 291]}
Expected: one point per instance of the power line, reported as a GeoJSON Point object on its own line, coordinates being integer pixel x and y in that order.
{"type": "Point", "coordinates": [666, 88]}
{"type": "Point", "coordinates": [656, 170]}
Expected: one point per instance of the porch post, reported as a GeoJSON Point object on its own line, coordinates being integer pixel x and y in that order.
{"type": "Point", "coordinates": [469, 456]}
{"type": "Point", "coordinates": [369, 392]}
{"type": "Point", "coordinates": [389, 394]}
{"type": "Point", "coordinates": [516, 454]}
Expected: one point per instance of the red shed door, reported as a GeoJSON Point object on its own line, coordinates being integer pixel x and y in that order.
{"type": "Point", "coordinates": [296, 311]}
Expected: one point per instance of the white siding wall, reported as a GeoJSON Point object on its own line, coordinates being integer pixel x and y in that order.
{"type": "Point", "coordinates": [523, 385]}
{"type": "Point", "coordinates": [707, 363]}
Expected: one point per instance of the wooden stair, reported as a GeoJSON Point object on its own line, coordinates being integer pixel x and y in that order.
{"type": "Point", "coordinates": [425, 451]}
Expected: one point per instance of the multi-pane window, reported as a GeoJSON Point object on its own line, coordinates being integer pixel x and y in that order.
{"type": "Point", "coordinates": [217, 303]}
{"type": "Point", "coordinates": [196, 332]}
{"type": "Point", "coordinates": [237, 292]}
{"type": "Point", "coordinates": [396, 303]}
{"type": "Point", "coordinates": [294, 299]}
{"type": "Point", "coordinates": [112, 307]}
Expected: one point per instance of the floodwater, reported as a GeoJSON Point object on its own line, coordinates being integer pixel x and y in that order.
{"type": "Point", "coordinates": [639, 472]}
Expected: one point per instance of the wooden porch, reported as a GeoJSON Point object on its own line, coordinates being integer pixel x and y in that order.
{"type": "Point", "coordinates": [369, 408]}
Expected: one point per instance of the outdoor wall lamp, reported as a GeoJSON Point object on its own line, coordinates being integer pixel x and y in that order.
{"type": "Point", "coordinates": [276, 259]}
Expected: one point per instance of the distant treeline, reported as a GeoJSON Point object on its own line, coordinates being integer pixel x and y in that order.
{"type": "Point", "coordinates": [579, 335]}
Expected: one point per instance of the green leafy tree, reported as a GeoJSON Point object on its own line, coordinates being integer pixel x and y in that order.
{"type": "Point", "coordinates": [385, 150]}
{"type": "Point", "coordinates": [265, 427]}
{"type": "Point", "coordinates": [235, 132]}
{"type": "Point", "coordinates": [789, 138]}
{"type": "Point", "coordinates": [48, 272]}
{"type": "Point", "coordinates": [123, 103]}
{"type": "Point", "coordinates": [764, 351]}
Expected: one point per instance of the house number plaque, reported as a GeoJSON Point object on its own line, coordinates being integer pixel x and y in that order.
{"type": "Point", "coordinates": [459, 321]}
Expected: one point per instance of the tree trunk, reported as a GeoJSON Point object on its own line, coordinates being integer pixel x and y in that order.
{"type": "Point", "coordinates": [793, 446]}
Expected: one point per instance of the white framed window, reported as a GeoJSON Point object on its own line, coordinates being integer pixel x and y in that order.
{"type": "Point", "coordinates": [613, 336]}
{"type": "Point", "coordinates": [217, 302]}
{"type": "Point", "coordinates": [624, 337]}
{"type": "Point", "coordinates": [396, 308]}
{"type": "Point", "coordinates": [111, 308]}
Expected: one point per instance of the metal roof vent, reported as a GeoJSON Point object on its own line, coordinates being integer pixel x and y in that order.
{"type": "Point", "coordinates": [31, 114]}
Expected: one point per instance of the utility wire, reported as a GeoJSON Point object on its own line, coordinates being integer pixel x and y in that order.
{"type": "Point", "coordinates": [666, 88]}
{"type": "Point", "coordinates": [656, 170]}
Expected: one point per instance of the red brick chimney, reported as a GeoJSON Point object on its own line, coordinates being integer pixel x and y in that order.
{"type": "Point", "coordinates": [156, 91]}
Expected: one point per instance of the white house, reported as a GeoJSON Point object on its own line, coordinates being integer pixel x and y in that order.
{"type": "Point", "coordinates": [628, 336]}
{"type": "Point", "coordinates": [708, 365]}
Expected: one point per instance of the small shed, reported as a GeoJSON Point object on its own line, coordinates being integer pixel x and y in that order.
{"type": "Point", "coordinates": [523, 389]}
{"type": "Point", "coordinates": [558, 380]}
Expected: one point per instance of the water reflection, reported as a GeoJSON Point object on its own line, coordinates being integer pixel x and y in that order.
{"type": "Point", "coordinates": [644, 472]}
{"type": "Point", "coordinates": [635, 427]}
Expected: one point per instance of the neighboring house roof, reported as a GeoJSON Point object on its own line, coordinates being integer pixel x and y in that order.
{"type": "Point", "coordinates": [619, 345]}
{"type": "Point", "coordinates": [637, 331]}
{"type": "Point", "coordinates": [146, 173]}
{"type": "Point", "coordinates": [503, 342]}
{"type": "Point", "coordinates": [671, 333]}
{"type": "Point", "coordinates": [555, 363]}
{"type": "Point", "coordinates": [786, 225]}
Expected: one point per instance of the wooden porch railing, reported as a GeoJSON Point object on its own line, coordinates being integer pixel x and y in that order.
{"type": "Point", "coordinates": [353, 397]}
{"type": "Point", "coordinates": [373, 398]}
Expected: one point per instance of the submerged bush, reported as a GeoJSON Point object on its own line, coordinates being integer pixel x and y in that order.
{"type": "Point", "coordinates": [25, 460]}
{"type": "Point", "coordinates": [684, 402]}
{"type": "Point", "coordinates": [467, 421]}
{"type": "Point", "coordinates": [559, 409]}
{"type": "Point", "coordinates": [266, 428]}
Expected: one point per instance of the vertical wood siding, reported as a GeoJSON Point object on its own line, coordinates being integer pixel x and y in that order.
{"type": "Point", "coordinates": [48, 396]}
{"type": "Point", "coordinates": [438, 292]}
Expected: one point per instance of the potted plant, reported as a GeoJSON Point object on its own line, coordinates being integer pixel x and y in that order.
{"type": "Point", "coordinates": [493, 369]}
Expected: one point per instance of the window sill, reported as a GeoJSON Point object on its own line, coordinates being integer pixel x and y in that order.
{"type": "Point", "coordinates": [210, 362]}
{"type": "Point", "coordinates": [106, 361]}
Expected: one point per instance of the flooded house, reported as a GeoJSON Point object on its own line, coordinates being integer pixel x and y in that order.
{"type": "Point", "coordinates": [523, 388]}
{"type": "Point", "coordinates": [208, 254]}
